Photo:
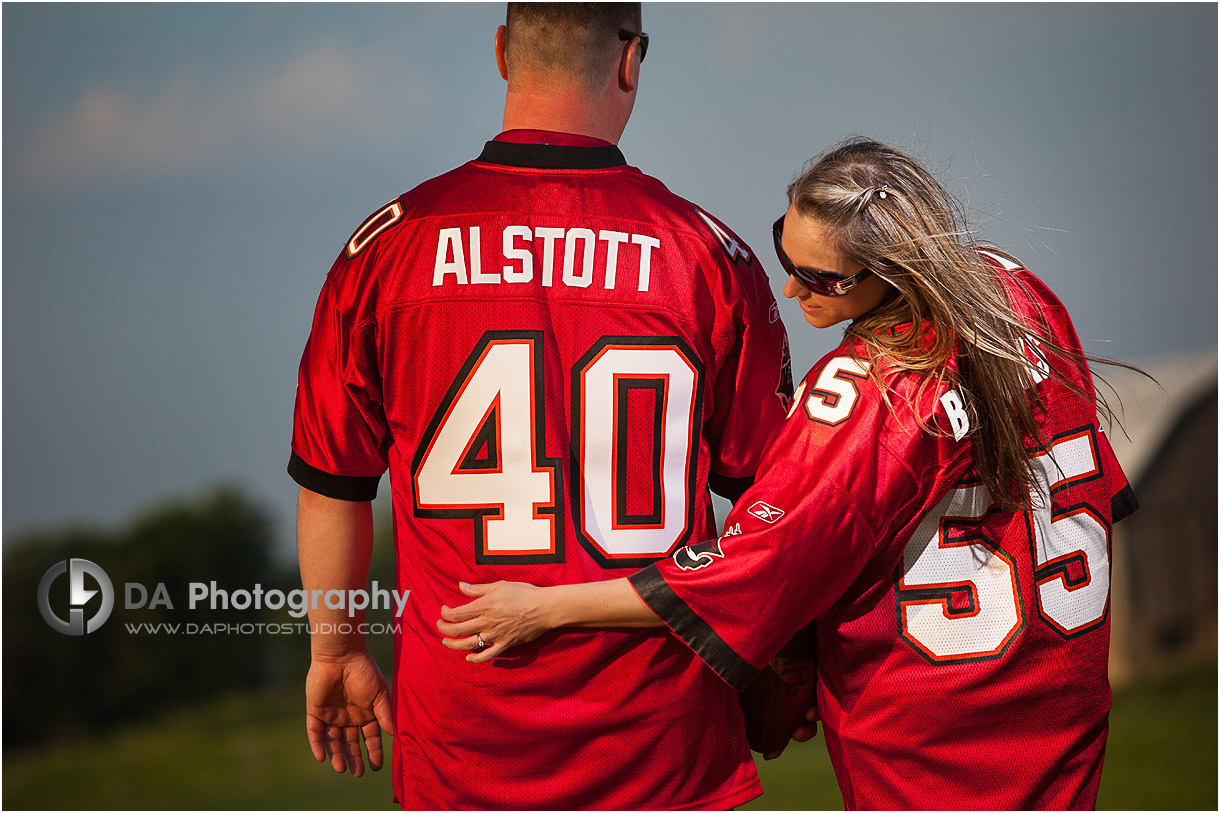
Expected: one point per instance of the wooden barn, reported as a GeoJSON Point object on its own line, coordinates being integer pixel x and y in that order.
{"type": "Point", "coordinates": [1164, 557]}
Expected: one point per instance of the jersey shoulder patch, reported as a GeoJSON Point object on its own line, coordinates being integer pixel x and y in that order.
{"type": "Point", "coordinates": [1002, 263]}
{"type": "Point", "coordinates": [378, 222]}
{"type": "Point", "coordinates": [736, 250]}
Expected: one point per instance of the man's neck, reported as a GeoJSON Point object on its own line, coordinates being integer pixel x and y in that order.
{"type": "Point", "coordinates": [562, 114]}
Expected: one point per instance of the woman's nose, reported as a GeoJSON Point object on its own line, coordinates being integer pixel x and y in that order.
{"type": "Point", "coordinates": [793, 287]}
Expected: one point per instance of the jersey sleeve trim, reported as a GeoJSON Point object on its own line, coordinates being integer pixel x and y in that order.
{"type": "Point", "coordinates": [1123, 504]}
{"type": "Point", "coordinates": [731, 488]}
{"type": "Point", "coordinates": [335, 486]}
{"type": "Point", "coordinates": [693, 630]}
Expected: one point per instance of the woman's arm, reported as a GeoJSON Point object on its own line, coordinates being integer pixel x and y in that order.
{"type": "Point", "coordinates": [504, 614]}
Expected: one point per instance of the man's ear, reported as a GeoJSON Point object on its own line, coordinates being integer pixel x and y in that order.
{"type": "Point", "coordinates": [502, 52]}
{"type": "Point", "coordinates": [629, 67]}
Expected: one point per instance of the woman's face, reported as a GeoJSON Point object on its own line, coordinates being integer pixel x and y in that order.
{"type": "Point", "coordinates": [806, 244]}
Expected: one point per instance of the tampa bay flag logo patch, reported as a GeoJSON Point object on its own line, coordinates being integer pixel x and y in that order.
{"type": "Point", "coordinates": [766, 512]}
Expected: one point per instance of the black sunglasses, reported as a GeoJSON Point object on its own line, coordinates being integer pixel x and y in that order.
{"type": "Point", "coordinates": [628, 36]}
{"type": "Point", "coordinates": [819, 282]}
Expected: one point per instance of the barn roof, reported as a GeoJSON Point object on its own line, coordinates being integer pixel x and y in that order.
{"type": "Point", "coordinates": [1151, 410]}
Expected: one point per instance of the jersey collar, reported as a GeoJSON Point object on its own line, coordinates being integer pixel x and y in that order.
{"type": "Point", "coordinates": [540, 149]}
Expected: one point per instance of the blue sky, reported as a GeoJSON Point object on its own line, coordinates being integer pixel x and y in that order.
{"type": "Point", "coordinates": [179, 178]}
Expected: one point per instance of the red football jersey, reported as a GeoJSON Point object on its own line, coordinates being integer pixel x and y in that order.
{"type": "Point", "coordinates": [555, 357]}
{"type": "Point", "coordinates": [962, 649]}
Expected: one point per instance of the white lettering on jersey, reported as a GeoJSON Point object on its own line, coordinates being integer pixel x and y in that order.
{"type": "Point", "coordinates": [646, 244]}
{"type": "Point", "coordinates": [460, 261]}
{"type": "Point", "coordinates": [449, 243]}
{"type": "Point", "coordinates": [375, 225]}
{"type": "Point", "coordinates": [477, 277]}
{"type": "Point", "coordinates": [959, 419]}
{"type": "Point", "coordinates": [585, 278]}
{"type": "Point", "coordinates": [734, 249]}
{"type": "Point", "coordinates": [612, 238]}
{"type": "Point", "coordinates": [834, 395]}
{"type": "Point", "coordinates": [549, 236]}
{"type": "Point", "coordinates": [511, 252]}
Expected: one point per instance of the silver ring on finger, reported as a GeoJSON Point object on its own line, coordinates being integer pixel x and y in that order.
{"type": "Point", "coordinates": [479, 637]}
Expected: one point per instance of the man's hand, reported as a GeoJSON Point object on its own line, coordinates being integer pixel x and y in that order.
{"type": "Point", "coordinates": [346, 697]}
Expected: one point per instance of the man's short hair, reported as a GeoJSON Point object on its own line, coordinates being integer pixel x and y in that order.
{"type": "Point", "coordinates": [568, 42]}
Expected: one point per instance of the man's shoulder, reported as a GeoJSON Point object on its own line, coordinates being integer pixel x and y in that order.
{"type": "Point", "coordinates": [416, 201]}
{"type": "Point", "coordinates": [699, 227]}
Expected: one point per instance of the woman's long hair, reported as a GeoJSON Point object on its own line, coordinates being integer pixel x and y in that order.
{"type": "Point", "coordinates": [887, 213]}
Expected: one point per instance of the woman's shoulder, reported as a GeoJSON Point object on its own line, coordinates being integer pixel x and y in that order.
{"type": "Point", "coordinates": [1031, 298]}
{"type": "Point", "coordinates": [863, 401]}
{"type": "Point", "coordinates": [875, 375]}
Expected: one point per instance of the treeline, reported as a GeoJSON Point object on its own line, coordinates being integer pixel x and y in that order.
{"type": "Point", "coordinates": [57, 685]}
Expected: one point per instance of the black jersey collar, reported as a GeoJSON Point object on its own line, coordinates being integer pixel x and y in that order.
{"type": "Point", "coordinates": [551, 156]}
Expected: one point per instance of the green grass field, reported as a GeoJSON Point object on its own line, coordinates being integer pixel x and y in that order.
{"type": "Point", "coordinates": [249, 752]}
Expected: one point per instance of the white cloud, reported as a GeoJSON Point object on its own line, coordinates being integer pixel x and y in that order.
{"type": "Point", "coordinates": [323, 95]}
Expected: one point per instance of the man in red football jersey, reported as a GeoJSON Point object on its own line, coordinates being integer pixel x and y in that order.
{"type": "Point", "coordinates": [556, 358]}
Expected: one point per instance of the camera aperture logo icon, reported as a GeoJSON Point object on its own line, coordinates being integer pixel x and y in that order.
{"type": "Point", "coordinates": [78, 596]}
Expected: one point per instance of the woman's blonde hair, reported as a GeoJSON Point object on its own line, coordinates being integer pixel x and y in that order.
{"type": "Point", "coordinates": [884, 211]}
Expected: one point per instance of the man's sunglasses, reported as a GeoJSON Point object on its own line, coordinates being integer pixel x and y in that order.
{"type": "Point", "coordinates": [628, 36]}
{"type": "Point", "coordinates": [819, 282]}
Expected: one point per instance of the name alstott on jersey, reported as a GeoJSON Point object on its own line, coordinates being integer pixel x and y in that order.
{"type": "Point", "coordinates": [580, 248]}
{"type": "Point", "coordinates": [555, 358]}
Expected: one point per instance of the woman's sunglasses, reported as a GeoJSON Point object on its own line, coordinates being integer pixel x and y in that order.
{"type": "Point", "coordinates": [819, 282]}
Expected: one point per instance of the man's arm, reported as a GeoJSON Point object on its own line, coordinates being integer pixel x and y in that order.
{"type": "Point", "coordinates": [346, 695]}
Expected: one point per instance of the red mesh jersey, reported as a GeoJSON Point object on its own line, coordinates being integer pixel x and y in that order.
{"type": "Point", "coordinates": [961, 649]}
{"type": "Point", "coordinates": [554, 356]}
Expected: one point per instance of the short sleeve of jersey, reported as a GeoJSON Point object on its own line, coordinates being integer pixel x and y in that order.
{"type": "Point", "coordinates": [801, 535]}
{"type": "Point", "coordinates": [1123, 502]}
{"type": "Point", "coordinates": [340, 435]}
{"type": "Point", "coordinates": [754, 386]}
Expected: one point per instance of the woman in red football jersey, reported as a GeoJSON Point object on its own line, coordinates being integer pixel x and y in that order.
{"type": "Point", "coordinates": [938, 504]}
